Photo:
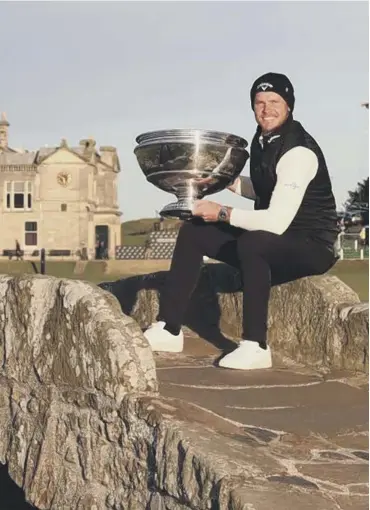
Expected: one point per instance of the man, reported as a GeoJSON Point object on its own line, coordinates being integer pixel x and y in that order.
{"type": "Point", "coordinates": [290, 234]}
{"type": "Point", "coordinates": [18, 251]}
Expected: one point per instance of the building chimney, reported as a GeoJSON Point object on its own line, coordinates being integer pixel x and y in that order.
{"type": "Point", "coordinates": [108, 155]}
{"type": "Point", "coordinates": [88, 143]}
{"type": "Point", "coordinates": [4, 125]}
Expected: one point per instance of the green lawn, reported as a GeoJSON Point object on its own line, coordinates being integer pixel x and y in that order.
{"type": "Point", "coordinates": [354, 273]}
{"type": "Point", "coordinates": [94, 271]}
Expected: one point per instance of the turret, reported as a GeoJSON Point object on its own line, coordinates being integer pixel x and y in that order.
{"type": "Point", "coordinates": [4, 131]}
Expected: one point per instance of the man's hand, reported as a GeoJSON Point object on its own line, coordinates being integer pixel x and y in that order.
{"type": "Point", "coordinates": [207, 180]}
{"type": "Point", "coordinates": [207, 210]}
{"type": "Point", "coordinates": [204, 180]}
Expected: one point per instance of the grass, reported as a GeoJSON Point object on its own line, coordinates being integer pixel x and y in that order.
{"type": "Point", "coordinates": [145, 225]}
{"type": "Point", "coordinates": [136, 232]}
{"type": "Point", "coordinates": [135, 239]}
{"type": "Point", "coordinates": [94, 271]}
{"type": "Point", "coordinates": [355, 273]}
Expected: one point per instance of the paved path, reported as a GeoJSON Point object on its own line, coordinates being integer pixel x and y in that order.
{"type": "Point", "coordinates": [314, 424]}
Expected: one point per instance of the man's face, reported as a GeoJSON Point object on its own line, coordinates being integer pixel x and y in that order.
{"type": "Point", "coordinates": [270, 110]}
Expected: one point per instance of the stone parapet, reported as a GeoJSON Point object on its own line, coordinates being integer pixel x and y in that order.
{"type": "Point", "coordinates": [318, 321]}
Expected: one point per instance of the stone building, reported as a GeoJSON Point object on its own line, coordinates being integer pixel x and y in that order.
{"type": "Point", "coordinates": [60, 198]}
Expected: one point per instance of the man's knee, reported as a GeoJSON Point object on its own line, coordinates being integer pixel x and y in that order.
{"type": "Point", "coordinates": [208, 238]}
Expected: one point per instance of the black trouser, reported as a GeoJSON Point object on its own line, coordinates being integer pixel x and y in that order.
{"type": "Point", "coordinates": [265, 259]}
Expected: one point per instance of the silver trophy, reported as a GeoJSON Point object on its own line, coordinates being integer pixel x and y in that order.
{"type": "Point", "coordinates": [190, 163]}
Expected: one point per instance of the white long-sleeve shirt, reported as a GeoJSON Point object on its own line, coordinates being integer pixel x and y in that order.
{"type": "Point", "coordinates": [294, 171]}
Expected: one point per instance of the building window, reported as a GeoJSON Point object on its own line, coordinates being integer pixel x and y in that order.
{"type": "Point", "coordinates": [8, 195]}
{"type": "Point", "coordinates": [30, 228]}
{"type": "Point", "coordinates": [19, 195]}
{"type": "Point", "coordinates": [63, 207]}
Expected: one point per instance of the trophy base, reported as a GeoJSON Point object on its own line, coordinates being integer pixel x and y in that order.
{"type": "Point", "coordinates": [180, 210]}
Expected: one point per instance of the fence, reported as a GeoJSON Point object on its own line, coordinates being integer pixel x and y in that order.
{"type": "Point", "coordinates": [352, 247]}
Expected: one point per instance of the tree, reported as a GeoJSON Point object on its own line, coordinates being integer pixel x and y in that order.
{"type": "Point", "coordinates": [359, 198]}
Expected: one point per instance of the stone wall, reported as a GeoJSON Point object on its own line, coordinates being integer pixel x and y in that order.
{"type": "Point", "coordinates": [318, 321]}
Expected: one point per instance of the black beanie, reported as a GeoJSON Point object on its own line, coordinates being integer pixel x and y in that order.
{"type": "Point", "coordinates": [274, 82]}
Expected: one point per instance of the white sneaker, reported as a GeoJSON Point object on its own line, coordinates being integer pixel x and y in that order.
{"type": "Point", "coordinates": [161, 340]}
{"type": "Point", "coordinates": [247, 356]}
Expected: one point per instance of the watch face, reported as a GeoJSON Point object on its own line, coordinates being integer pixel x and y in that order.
{"type": "Point", "coordinates": [222, 215]}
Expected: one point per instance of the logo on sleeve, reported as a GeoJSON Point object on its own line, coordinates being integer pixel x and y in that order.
{"type": "Point", "coordinates": [293, 185]}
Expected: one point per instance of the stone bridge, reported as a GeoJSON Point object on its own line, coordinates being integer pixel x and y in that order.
{"type": "Point", "coordinates": [90, 419]}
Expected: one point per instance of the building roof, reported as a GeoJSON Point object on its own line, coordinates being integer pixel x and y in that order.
{"type": "Point", "coordinates": [86, 151]}
{"type": "Point", "coordinates": [45, 152]}
{"type": "Point", "coordinates": [12, 157]}
{"type": "Point", "coordinates": [16, 158]}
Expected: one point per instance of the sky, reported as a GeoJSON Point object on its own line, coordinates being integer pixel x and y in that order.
{"type": "Point", "coordinates": [113, 70]}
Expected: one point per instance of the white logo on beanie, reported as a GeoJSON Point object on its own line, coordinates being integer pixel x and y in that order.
{"type": "Point", "coordinates": [264, 86]}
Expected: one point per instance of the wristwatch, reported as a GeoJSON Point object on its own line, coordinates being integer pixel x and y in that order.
{"type": "Point", "coordinates": [223, 214]}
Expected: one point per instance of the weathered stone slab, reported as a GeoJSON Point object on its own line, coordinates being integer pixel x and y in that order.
{"type": "Point", "coordinates": [277, 406]}
{"type": "Point", "coordinates": [337, 473]}
{"type": "Point", "coordinates": [210, 377]}
{"type": "Point", "coordinates": [57, 332]}
{"type": "Point", "coordinates": [352, 502]}
{"type": "Point", "coordinates": [318, 321]}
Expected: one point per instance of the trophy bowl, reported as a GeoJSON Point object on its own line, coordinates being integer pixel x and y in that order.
{"type": "Point", "coordinates": [190, 163]}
